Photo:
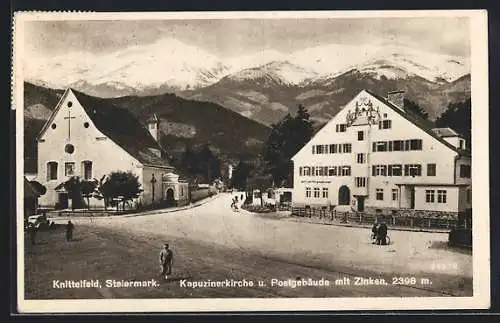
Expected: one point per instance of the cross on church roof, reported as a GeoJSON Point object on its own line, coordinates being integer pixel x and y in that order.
{"type": "Point", "coordinates": [69, 117]}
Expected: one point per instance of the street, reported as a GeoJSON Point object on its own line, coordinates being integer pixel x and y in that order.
{"type": "Point", "coordinates": [212, 242]}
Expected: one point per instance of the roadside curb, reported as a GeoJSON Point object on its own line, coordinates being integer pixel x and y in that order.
{"type": "Point", "coordinates": [153, 212]}
{"type": "Point", "coordinates": [182, 208]}
{"type": "Point", "coordinates": [352, 225]}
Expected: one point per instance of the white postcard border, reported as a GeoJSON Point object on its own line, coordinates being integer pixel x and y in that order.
{"type": "Point", "coordinates": [480, 179]}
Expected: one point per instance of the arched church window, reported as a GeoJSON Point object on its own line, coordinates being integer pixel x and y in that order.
{"type": "Point", "coordinates": [53, 126]}
{"type": "Point", "coordinates": [87, 169]}
{"type": "Point", "coordinates": [51, 171]}
{"type": "Point", "coordinates": [69, 148]}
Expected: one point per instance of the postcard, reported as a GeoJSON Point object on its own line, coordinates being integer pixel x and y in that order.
{"type": "Point", "coordinates": [251, 161]}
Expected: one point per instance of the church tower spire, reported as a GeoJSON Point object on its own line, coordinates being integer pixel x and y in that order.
{"type": "Point", "coordinates": [153, 126]}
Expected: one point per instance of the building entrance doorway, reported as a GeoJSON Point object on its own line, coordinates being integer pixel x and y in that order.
{"type": "Point", "coordinates": [344, 195]}
{"type": "Point", "coordinates": [63, 201]}
{"type": "Point", "coordinates": [170, 196]}
{"type": "Point", "coordinates": [412, 197]}
{"type": "Point", "coordinates": [361, 203]}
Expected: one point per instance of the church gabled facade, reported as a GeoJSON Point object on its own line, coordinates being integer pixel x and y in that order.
{"type": "Point", "coordinates": [90, 138]}
{"type": "Point", "coordinates": [376, 155]}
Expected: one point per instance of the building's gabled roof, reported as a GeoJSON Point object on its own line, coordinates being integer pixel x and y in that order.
{"type": "Point", "coordinates": [123, 128]}
{"type": "Point", "coordinates": [446, 132]}
{"type": "Point", "coordinates": [423, 124]}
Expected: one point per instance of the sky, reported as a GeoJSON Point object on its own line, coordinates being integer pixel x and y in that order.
{"type": "Point", "coordinates": [234, 37]}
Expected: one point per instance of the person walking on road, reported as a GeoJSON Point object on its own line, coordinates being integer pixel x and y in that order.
{"type": "Point", "coordinates": [166, 260]}
{"type": "Point", "coordinates": [69, 231]}
{"type": "Point", "coordinates": [32, 233]}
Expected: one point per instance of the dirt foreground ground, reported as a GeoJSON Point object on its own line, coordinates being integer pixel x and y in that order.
{"type": "Point", "coordinates": [211, 243]}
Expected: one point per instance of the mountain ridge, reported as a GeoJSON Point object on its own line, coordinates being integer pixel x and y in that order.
{"type": "Point", "coordinates": [183, 123]}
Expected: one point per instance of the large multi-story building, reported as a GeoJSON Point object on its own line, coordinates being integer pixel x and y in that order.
{"type": "Point", "coordinates": [376, 155]}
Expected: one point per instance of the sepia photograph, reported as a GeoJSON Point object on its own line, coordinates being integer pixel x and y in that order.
{"type": "Point", "coordinates": [251, 161]}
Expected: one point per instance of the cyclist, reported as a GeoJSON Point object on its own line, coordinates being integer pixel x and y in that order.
{"type": "Point", "coordinates": [382, 234]}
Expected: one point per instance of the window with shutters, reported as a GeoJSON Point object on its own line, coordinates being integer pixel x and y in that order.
{"type": "Point", "coordinates": [361, 158]}
{"type": "Point", "coordinates": [413, 170]}
{"type": "Point", "coordinates": [385, 124]}
{"type": "Point", "coordinates": [380, 146]}
{"type": "Point", "coordinates": [346, 170]}
{"type": "Point", "coordinates": [346, 148]}
{"type": "Point", "coordinates": [394, 170]}
{"type": "Point", "coordinates": [360, 181]}
{"type": "Point", "coordinates": [397, 145]}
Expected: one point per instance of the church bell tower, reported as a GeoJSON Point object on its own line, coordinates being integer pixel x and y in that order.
{"type": "Point", "coordinates": [153, 126]}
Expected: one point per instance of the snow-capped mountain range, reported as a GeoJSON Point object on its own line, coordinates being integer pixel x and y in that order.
{"type": "Point", "coordinates": [263, 86]}
{"type": "Point", "coordinates": [172, 64]}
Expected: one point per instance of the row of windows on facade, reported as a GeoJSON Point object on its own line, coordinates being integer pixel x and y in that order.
{"type": "Point", "coordinates": [69, 170]}
{"type": "Point", "coordinates": [430, 196]}
{"type": "Point", "coordinates": [379, 194]}
{"type": "Point", "coordinates": [325, 171]}
{"type": "Point", "coordinates": [378, 170]}
{"type": "Point", "coordinates": [383, 124]}
{"type": "Point", "coordinates": [413, 170]}
{"type": "Point", "coordinates": [332, 149]}
{"type": "Point", "coordinates": [315, 192]}
{"type": "Point", "coordinates": [397, 145]}
{"type": "Point", "coordinates": [393, 145]}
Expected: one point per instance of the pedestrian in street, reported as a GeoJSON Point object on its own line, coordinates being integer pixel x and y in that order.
{"type": "Point", "coordinates": [69, 230]}
{"type": "Point", "coordinates": [166, 260]}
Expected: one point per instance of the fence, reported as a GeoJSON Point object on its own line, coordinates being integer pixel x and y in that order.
{"type": "Point", "coordinates": [361, 218]}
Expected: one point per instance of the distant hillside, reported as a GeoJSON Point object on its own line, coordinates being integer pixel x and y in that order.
{"type": "Point", "coordinates": [266, 98]}
{"type": "Point", "coordinates": [183, 122]}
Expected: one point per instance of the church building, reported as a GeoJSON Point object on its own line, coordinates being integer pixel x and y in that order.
{"type": "Point", "coordinates": [88, 137]}
{"type": "Point", "coordinates": [377, 156]}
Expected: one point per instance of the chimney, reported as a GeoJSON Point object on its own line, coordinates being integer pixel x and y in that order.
{"type": "Point", "coordinates": [153, 126]}
{"type": "Point", "coordinates": [397, 98]}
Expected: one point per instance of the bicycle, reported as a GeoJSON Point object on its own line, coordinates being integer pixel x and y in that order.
{"type": "Point", "coordinates": [234, 207]}
{"type": "Point", "coordinates": [373, 239]}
